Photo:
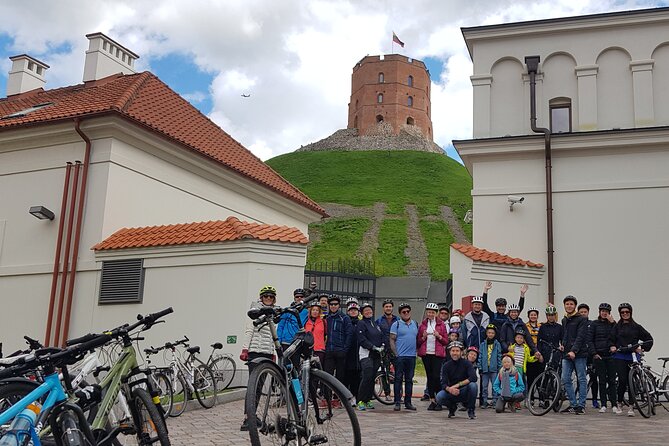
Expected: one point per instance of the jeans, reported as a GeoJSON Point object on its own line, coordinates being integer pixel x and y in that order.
{"type": "Point", "coordinates": [501, 401]}
{"type": "Point", "coordinates": [487, 380]}
{"type": "Point", "coordinates": [404, 368]}
{"type": "Point", "coordinates": [467, 395]}
{"type": "Point", "coordinates": [335, 364]}
{"type": "Point", "coordinates": [606, 374]}
{"type": "Point", "coordinates": [433, 371]}
{"type": "Point", "coordinates": [568, 368]}
{"type": "Point", "coordinates": [368, 367]}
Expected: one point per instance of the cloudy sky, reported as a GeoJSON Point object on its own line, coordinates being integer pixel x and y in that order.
{"type": "Point", "coordinates": [293, 57]}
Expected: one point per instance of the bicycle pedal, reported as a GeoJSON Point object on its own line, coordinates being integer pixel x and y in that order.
{"type": "Point", "coordinates": [318, 439]}
{"type": "Point", "coordinates": [127, 428]}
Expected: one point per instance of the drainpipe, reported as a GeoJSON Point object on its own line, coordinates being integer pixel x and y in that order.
{"type": "Point", "coordinates": [77, 231]}
{"type": "Point", "coordinates": [56, 263]}
{"type": "Point", "coordinates": [532, 63]}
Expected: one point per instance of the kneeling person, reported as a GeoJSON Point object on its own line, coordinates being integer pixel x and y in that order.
{"type": "Point", "coordinates": [458, 381]}
{"type": "Point", "coordinates": [508, 385]}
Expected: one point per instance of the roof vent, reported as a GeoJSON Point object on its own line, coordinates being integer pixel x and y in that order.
{"type": "Point", "coordinates": [26, 74]}
{"type": "Point", "coordinates": [106, 57]}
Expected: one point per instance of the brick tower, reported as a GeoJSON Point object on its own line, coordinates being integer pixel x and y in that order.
{"type": "Point", "coordinates": [388, 94]}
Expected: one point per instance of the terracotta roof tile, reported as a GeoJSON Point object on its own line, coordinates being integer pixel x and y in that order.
{"type": "Point", "coordinates": [204, 232]}
{"type": "Point", "coordinates": [483, 255]}
{"type": "Point", "coordinates": [144, 99]}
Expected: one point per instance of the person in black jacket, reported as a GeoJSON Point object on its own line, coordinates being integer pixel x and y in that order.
{"type": "Point", "coordinates": [550, 335]}
{"type": "Point", "coordinates": [370, 340]}
{"type": "Point", "coordinates": [338, 339]}
{"type": "Point", "coordinates": [598, 346]}
{"type": "Point", "coordinates": [499, 316]}
{"type": "Point", "coordinates": [458, 381]}
{"type": "Point", "coordinates": [511, 326]}
{"type": "Point", "coordinates": [574, 344]}
{"type": "Point", "coordinates": [352, 378]}
{"type": "Point", "coordinates": [584, 310]}
{"type": "Point", "coordinates": [624, 333]}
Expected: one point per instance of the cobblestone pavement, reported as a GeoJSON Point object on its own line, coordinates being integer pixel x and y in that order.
{"type": "Point", "coordinates": [220, 426]}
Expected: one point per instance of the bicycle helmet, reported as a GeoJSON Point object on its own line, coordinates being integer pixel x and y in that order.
{"type": "Point", "coordinates": [353, 306]}
{"type": "Point", "coordinates": [432, 306]}
{"type": "Point", "coordinates": [454, 330]}
{"type": "Point", "coordinates": [550, 309]}
{"type": "Point", "coordinates": [323, 294]}
{"type": "Point", "coordinates": [477, 299]}
{"type": "Point", "coordinates": [314, 303]}
{"type": "Point", "coordinates": [454, 320]}
{"type": "Point", "coordinates": [605, 306]}
{"type": "Point", "coordinates": [388, 301]}
{"type": "Point", "coordinates": [531, 309]}
{"type": "Point", "coordinates": [454, 344]}
{"type": "Point", "coordinates": [571, 298]}
{"type": "Point", "coordinates": [365, 305]}
{"type": "Point", "coordinates": [444, 308]}
{"type": "Point", "coordinates": [500, 301]}
{"type": "Point", "coordinates": [334, 298]}
{"type": "Point", "coordinates": [351, 299]}
{"type": "Point", "coordinates": [473, 349]}
{"type": "Point", "coordinates": [298, 292]}
{"type": "Point", "coordinates": [267, 289]}
{"type": "Point", "coordinates": [513, 307]}
{"type": "Point", "coordinates": [625, 305]}
{"type": "Point", "coordinates": [457, 312]}
{"type": "Point", "coordinates": [586, 306]}
{"type": "Point", "coordinates": [404, 305]}
{"type": "Point", "coordinates": [519, 331]}
{"type": "Point", "coordinates": [491, 327]}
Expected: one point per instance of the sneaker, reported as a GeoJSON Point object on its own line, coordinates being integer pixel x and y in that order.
{"type": "Point", "coordinates": [569, 409]}
{"type": "Point", "coordinates": [245, 426]}
{"type": "Point", "coordinates": [603, 409]}
{"type": "Point", "coordinates": [462, 408]}
{"type": "Point", "coordinates": [397, 408]}
{"type": "Point", "coordinates": [369, 405]}
{"type": "Point", "coordinates": [451, 413]}
{"type": "Point", "coordinates": [512, 407]}
{"type": "Point", "coordinates": [630, 413]}
{"type": "Point", "coordinates": [616, 410]}
{"type": "Point", "coordinates": [438, 407]}
{"type": "Point", "coordinates": [361, 405]}
{"type": "Point", "coordinates": [425, 397]}
{"type": "Point", "coordinates": [484, 406]}
{"type": "Point", "coordinates": [595, 404]}
{"type": "Point", "coordinates": [579, 410]}
{"type": "Point", "coordinates": [472, 415]}
{"type": "Point", "coordinates": [409, 406]}
{"type": "Point", "coordinates": [431, 406]}
{"type": "Point", "coordinates": [518, 406]}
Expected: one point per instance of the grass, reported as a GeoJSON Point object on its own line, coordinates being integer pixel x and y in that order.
{"type": "Point", "coordinates": [420, 368]}
{"type": "Point", "coordinates": [438, 238]}
{"type": "Point", "coordinates": [392, 241]}
{"type": "Point", "coordinates": [339, 239]}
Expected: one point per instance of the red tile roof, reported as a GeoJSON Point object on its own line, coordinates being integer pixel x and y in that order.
{"type": "Point", "coordinates": [204, 232]}
{"type": "Point", "coordinates": [145, 100]}
{"type": "Point", "coordinates": [482, 255]}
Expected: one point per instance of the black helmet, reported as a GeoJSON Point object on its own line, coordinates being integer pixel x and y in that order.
{"type": "Point", "coordinates": [571, 298]}
{"type": "Point", "coordinates": [299, 292]}
{"type": "Point", "coordinates": [500, 301]}
{"type": "Point", "coordinates": [519, 331]}
{"type": "Point", "coordinates": [404, 305]}
{"type": "Point", "coordinates": [625, 305]}
{"type": "Point", "coordinates": [586, 306]}
{"type": "Point", "coordinates": [323, 294]}
{"type": "Point", "coordinates": [444, 307]}
{"type": "Point", "coordinates": [605, 306]}
{"type": "Point", "coordinates": [388, 301]}
{"type": "Point", "coordinates": [334, 298]}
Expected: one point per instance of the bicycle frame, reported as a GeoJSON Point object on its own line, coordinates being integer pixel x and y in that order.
{"type": "Point", "coordinates": [50, 386]}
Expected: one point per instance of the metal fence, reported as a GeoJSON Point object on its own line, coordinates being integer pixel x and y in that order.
{"type": "Point", "coordinates": [344, 277]}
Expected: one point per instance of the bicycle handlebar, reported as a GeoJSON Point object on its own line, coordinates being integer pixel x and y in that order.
{"type": "Point", "coordinates": [260, 315]}
{"type": "Point", "coordinates": [630, 347]}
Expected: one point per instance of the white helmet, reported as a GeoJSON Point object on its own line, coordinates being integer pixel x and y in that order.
{"type": "Point", "coordinates": [454, 320]}
{"type": "Point", "coordinates": [513, 307]}
{"type": "Point", "coordinates": [478, 299]}
{"type": "Point", "coordinates": [432, 306]}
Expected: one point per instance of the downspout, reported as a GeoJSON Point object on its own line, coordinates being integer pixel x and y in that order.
{"type": "Point", "coordinates": [77, 231]}
{"type": "Point", "coordinates": [66, 258]}
{"type": "Point", "coordinates": [532, 63]}
{"type": "Point", "coordinates": [56, 263]}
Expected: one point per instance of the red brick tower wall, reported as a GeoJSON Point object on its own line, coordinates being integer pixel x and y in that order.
{"type": "Point", "coordinates": [366, 85]}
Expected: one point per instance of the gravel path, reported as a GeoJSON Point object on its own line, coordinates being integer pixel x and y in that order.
{"type": "Point", "coordinates": [416, 251]}
{"type": "Point", "coordinates": [454, 225]}
{"type": "Point", "coordinates": [370, 241]}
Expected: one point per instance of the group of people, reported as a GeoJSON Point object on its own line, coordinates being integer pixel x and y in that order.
{"type": "Point", "coordinates": [492, 356]}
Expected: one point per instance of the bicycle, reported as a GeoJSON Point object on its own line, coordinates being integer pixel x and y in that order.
{"type": "Point", "coordinates": [547, 392]}
{"type": "Point", "coordinates": [223, 366]}
{"type": "Point", "coordinates": [661, 380]}
{"type": "Point", "coordinates": [384, 381]}
{"type": "Point", "coordinates": [642, 390]}
{"type": "Point", "coordinates": [296, 405]}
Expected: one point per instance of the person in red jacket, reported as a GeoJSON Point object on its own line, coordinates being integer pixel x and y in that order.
{"type": "Point", "coordinates": [316, 325]}
{"type": "Point", "coordinates": [431, 341]}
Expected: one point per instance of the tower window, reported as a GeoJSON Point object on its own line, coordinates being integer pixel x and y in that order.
{"type": "Point", "coordinates": [410, 121]}
{"type": "Point", "coordinates": [560, 115]}
{"type": "Point", "coordinates": [379, 118]}
{"type": "Point", "coordinates": [381, 78]}
{"type": "Point", "coordinates": [410, 81]}
{"type": "Point", "coordinates": [379, 98]}
{"type": "Point", "coordinates": [410, 101]}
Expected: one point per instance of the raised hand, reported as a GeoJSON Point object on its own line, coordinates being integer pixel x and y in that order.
{"type": "Point", "coordinates": [487, 286]}
{"type": "Point", "coordinates": [523, 289]}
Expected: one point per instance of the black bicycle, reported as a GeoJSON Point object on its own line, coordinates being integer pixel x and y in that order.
{"type": "Point", "coordinates": [384, 381]}
{"type": "Point", "coordinates": [546, 391]}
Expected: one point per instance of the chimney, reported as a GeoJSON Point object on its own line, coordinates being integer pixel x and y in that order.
{"type": "Point", "coordinates": [106, 57]}
{"type": "Point", "coordinates": [26, 74]}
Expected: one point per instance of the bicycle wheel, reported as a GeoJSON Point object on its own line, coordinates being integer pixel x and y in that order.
{"type": "Point", "coordinates": [11, 393]}
{"type": "Point", "coordinates": [269, 408]}
{"type": "Point", "coordinates": [179, 395]}
{"type": "Point", "coordinates": [665, 388]}
{"type": "Point", "coordinates": [384, 388]}
{"type": "Point", "coordinates": [204, 383]}
{"type": "Point", "coordinates": [224, 368]}
{"type": "Point", "coordinates": [331, 417]}
{"type": "Point", "coordinates": [150, 425]}
{"type": "Point", "coordinates": [162, 383]}
{"type": "Point", "coordinates": [639, 393]}
{"type": "Point", "coordinates": [544, 393]}
{"type": "Point", "coordinates": [651, 387]}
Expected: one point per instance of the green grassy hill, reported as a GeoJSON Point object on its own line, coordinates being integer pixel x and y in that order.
{"type": "Point", "coordinates": [413, 187]}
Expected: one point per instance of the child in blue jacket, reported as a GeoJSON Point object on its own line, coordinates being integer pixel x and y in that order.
{"type": "Point", "coordinates": [490, 361]}
{"type": "Point", "coordinates": [508, 385]}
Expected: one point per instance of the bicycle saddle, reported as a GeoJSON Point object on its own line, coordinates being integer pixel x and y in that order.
{"type": "Point", "coordinates": [666, 358]}
{"type": "Point", "coordinates": [217, 346]}
{"type": "Point", "coordinates": [193, 350]}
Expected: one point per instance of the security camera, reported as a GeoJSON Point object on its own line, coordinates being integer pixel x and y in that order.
{"type": "Point", "coordinates": [514, 199]}
{"type": "Point", "coordinates": [469, 216]}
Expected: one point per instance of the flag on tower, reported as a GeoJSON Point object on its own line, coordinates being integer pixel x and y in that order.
{"type": "Point", "coordinates": [397, 40]}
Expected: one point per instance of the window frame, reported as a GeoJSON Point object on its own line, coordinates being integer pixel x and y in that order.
{"type": "Point", "coordinates": [559, 104]}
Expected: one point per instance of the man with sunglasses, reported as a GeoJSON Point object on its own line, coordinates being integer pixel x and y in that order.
{"type": "Point", "coordinates": [403, 334]}
{"type": "Point", "coordinates": [339, 338]}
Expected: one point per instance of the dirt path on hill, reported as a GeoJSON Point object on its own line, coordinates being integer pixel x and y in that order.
{"type": "Point", "coordinates": [370, 241]}
{"type": "Point", "coordinates": [416, 251]}
{"type": "Point", "coordinates": [454, 225]}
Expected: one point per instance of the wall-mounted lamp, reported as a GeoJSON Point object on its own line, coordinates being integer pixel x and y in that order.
{"type": "Point", "coordinates": [41, 212]}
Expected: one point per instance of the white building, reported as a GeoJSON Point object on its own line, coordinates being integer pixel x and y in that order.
{"type": "Point", "coordinates": [141, 157]}
{"type": "Point", "coordinates": [602, 88]}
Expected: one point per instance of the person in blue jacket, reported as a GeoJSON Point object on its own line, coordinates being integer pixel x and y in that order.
{"type": "Point", "coordinates": [490, 361]}
{"type": "Point", "coordinates": [338, 339]}
{"type": "Point", "coordinates": [288, 325]}
{"type": "Point", "coordinates": [508, 385]}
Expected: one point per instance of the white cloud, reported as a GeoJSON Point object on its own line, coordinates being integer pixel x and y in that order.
{"type": "Point", "coordinates": [295, 58]}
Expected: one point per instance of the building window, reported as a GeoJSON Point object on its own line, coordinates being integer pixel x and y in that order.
{"type": "Point", "coordinates": [122, 281]}
{"type": "Point", "coordinates": [410, 81]}
{"type": "Point", "coordinates": [410, 121]}
{"type": "Point", "coordinates": [410, 101]}
{"type": "Point", "coordinates": [379, 98]}
{"type": "Point", "coordinates": [379, 118]}
{"type": "Point", "coordinates": [560, 115]}
{"type": "Point", "coordinates": [381, 78]}
{"type": "Point", "coordinates": [357, 104]}
{"type": "Point", "coordinates": [355, 122]}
